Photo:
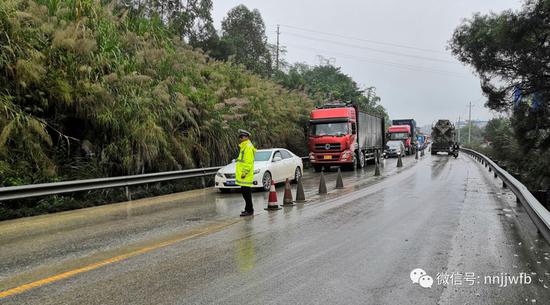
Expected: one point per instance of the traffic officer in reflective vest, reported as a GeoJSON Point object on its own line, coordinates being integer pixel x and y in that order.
{"type": "Point", "coordinates": [244, 174]}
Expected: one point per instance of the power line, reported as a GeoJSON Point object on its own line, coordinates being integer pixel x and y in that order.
{"type": "Point", "coordinates": [370, 49]}
{"type": "Point", "coordinates": [386, 63]}
{"type": "Point", "coordinates": [364, 40]}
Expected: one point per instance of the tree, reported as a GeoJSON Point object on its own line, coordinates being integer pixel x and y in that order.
{"type": "Point", "coordinates": [326, 83]}
{"type": "Point", "coordinates": [190, 19]}
{"type": "Point", "coordinates": [475, 135]}
{"type": "Point", "coordinates": [101, 92]}
{"type": "Point", "coordinates": [243, 31]}
{"type": "Point", "coordinates": [510, 52]}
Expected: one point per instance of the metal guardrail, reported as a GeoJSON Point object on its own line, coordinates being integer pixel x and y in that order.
{"type": "Point", "coordinates": [536, 211]}
{"type": "Point", "coordinates": [55, 188]}
{"type": "Point", "coordinates": [44, 189]}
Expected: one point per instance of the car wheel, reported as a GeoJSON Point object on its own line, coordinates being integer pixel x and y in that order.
{"type": "Point", "coordinates": [225, 191]}
{"type": "Point", "coordinates": [266, 181]}
{"type": "Point", "coordinates": [297, 174]}
{"type": "Point", "coordinates": [317, 168]}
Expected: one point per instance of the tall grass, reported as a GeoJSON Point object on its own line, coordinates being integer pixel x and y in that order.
{"type": "Point", "coordinates": [87, 90]}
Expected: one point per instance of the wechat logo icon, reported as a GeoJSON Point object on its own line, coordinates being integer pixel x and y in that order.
{"type": "Point", "coordinates": [419, 276]}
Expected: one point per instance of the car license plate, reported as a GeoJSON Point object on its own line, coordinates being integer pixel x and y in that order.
{"type": "Point", "coordinates": [328, 157]}
{"type": "Point", "coordinates": [230, 183]}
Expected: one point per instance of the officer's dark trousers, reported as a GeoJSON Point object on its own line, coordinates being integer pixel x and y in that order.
{"type": "Point", "coordinates": [247, 195]}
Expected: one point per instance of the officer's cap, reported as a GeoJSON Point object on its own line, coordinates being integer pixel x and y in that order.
{"type": "Point", "coordinates": [243, 132]}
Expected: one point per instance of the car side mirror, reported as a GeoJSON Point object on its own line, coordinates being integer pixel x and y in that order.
{"type": "Point", "coordinates": [233, 161]}
{"type": "Point", "coordinates": [277, 159]}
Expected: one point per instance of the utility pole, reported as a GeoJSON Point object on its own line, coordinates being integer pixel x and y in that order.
{"type": "Point", "coordinates": [277, 56]}
{"type": "Point", "coordinates": [458, 127]}
{"type": "Point", "coordinates": [470, 123]}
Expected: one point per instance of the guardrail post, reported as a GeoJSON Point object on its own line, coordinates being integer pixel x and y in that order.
{"type": "Point", "coordinates": [128, 194]}
{"type": "Point", "coordinates": [202, 180]}
{"type": "Point", "coordinates": [495, 174]}
{"type": "Point", "coordinates": [504, 185]}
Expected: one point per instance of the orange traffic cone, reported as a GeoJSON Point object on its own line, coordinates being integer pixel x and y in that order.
{"type": "Point", "coordinates": [300, 195]}
{"type": "Point", "coordinates": [272, 200]}
{"type": "Point", "coordinates": [339, 181]}
{"type": "Point", "coordinates": [287, 198]}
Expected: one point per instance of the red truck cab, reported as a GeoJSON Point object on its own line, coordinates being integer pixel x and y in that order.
{"type": "Point", "coordinates": [342, 135]}
{"type": "Point", "coordinates": [403, 133]}
{"type": "Point", "coordinates": [331, 136]}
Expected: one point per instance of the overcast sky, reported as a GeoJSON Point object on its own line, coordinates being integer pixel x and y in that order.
{"type": "Point", "coordinates": [399, 47]}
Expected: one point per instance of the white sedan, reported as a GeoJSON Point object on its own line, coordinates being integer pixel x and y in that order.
{"type": "Point", "coordinates": [276, 164]}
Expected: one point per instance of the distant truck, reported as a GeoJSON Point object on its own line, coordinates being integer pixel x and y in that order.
{"type": "Point", "coordinates": [443, 137]}
{"type": "Point", "coordinates": [404, 130]}
{"type": "Point", "coordinates": [342, 135]}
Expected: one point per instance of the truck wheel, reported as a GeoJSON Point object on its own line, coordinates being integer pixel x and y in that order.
{"type": "Point", "coordinates": [317, 168]}
{"type": "Point", "coordinates": [434, 152]}
{"type": "Point", "coordinates": [361, 159]}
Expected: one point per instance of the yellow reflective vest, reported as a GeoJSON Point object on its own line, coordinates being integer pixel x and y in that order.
{"type": "Point", "coordinates": [244, 174]}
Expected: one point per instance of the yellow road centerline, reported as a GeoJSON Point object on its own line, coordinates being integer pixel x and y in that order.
{"type": "Point", "coordinates": [118, 258]}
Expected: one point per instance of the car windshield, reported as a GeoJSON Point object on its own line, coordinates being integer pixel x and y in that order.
{"type": "Point", "coordinates": [329, 129]}
{"type": "Point", "coordinates": [399, 136]}
{"type": "Point", "coordinates": [394, 143]}
{"type": "Point", "coordinates": [262, 155]}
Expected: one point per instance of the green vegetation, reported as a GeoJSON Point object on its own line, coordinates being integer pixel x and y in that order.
{"type": "Point", "coordinates": [86, 91]}
{"type": "Point", "coordinates": [509, 51]}
{"type": "Point", "coordinates": [90, 88]}
{"type": "Point", "coordinates": [244, 38]}
{"type": "Point", "coordinates": [477, 135]}
{"type": "Point", "coordinates": [530, 167]}
{"type": "Point", "coordinates": [327, 83]}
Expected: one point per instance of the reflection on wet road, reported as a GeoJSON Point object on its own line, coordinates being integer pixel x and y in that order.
{"type": "Point", "coordinates": [353, 246]}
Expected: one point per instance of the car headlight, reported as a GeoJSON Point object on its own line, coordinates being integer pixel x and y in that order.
{"type": "Point", "coordinates": [219, 174]}
{"type": "Point", "coordinates": [256, 171]}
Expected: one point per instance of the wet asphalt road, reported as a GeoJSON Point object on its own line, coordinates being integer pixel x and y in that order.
{"type": "Point", "coordinates": [354, 246]}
